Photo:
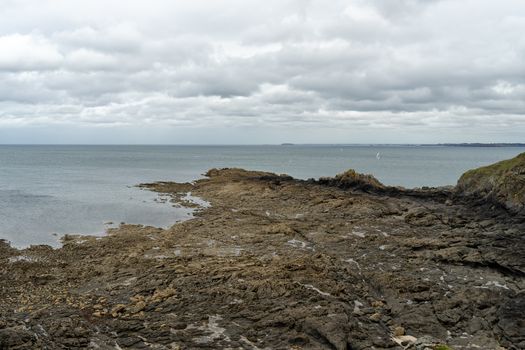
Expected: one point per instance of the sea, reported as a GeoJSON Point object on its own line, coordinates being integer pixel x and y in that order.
{"type": "Point", "coordinates": [48, 191]}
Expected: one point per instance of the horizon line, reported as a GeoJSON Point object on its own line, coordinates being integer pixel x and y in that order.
{"type": "Point", "coordinates": [274, 144]}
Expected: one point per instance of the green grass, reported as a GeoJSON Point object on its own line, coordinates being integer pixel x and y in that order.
{"type": "Point", "coordinates": [498, 168]}
{"type": "Point", "coordinates": [503, 181]}
{"type": "Point", "coordinates": [442, 347]}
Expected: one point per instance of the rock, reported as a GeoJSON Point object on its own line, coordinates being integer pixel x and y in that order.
{"type": "Point", "coordinates": [138, 307]}
{"type": "Point", "coordinates": [280, 228]}
{"type": "Point", "coordinates": [405, 341]}
{"type": "Point", "coordinates": [117, 309]}
{"type": "Point", "coordinates": [322, 282]}
{"type": "Point", "coordinates": [502, 183]}
{"type": "Point", "coordinates": [420, 216]}
{"type": "Point", "coordinates": [377, 303]}
{"type": "Point", "coordinates": [179, 325]}
{"type": "Point", "coordinates": [16, 338]}
{"type": "Point", "coordinates": [429, 343]}
{"type": "Point", "coordinates": [511, 320]}
{"type": "Point", "coordinates": [331, 333]}
{"type": "Point", "coordinates": [355, 180]}
{"type": "Point", "coordinates": [399, 331]}
{"type": "Point", "coordinates": [375, 317]}
{"type": "Point", "coordinates": [162, 294]}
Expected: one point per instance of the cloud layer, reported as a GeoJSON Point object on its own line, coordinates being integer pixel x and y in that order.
{"type": "Point", "coordinates": [421, 68]}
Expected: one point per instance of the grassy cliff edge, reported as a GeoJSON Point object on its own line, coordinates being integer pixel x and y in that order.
{"type": "Point", "coordinates": [502, 182]}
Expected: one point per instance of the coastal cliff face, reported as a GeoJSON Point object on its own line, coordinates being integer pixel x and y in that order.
{"type": "Point", "coordinates": [278, 263]}
{"type": "Point", "coordinates": [502, 183]}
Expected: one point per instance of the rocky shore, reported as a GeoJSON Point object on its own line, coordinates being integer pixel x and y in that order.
{"type": "Point", "coordinates": [280, 263]}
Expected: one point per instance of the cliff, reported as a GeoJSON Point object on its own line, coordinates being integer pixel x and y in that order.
{"type": "Point", "coordinates": [502, 183]}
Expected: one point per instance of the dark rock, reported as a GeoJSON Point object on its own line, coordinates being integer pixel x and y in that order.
{"type": "Point", "coordinates": [511, 319]}
{"type": "Point", "coordinates": [17, 338]}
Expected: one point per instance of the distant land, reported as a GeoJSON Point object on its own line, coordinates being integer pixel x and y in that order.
{"type": "Point", "coordinates": [500, 144]}
{"type": "Point", "coordinates": [482, 144]}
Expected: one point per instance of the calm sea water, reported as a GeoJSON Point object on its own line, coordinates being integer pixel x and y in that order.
{"type": "Point", "coordinates": [47, 191]}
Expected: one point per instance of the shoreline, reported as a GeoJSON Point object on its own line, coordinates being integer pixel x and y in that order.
{"type": "Point", "coordinates": [276, 262]}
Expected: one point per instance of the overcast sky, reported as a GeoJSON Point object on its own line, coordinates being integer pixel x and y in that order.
{"type": "Point", "coordinates": [244, 71]}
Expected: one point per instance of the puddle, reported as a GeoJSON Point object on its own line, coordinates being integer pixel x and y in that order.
{"type": "Point", "coordinates": [196, 200]}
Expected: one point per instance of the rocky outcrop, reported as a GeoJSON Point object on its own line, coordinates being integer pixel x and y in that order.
{"type": "Point", "coordinates": [278, 263]}
{"type": "Point", "coordinates": [354, 180]}
{"type": "Point", "coordinates": [502, 183]}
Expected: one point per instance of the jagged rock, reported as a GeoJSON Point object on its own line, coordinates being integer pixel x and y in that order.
{"type": "Point", "coordinates": [353, 179]}
{"type": "Point", "coordinates": [512, 322]}
{"type": "Point", "coordinates": [17, 338]}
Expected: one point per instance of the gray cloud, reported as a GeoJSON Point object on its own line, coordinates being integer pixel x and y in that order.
{"type": "Point", "coordinates": [408, 65]}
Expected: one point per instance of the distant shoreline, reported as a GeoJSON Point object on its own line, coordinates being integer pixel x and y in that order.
{"type": "Point", "coordinates": [483, 144]}
{"type": "Point", "coordinates": [416, 144]}
{"type": "Point", "coordinates": [278, 144]}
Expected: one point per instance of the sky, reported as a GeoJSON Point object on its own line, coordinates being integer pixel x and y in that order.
{"type": "Point", "coordinates": [261, 72]}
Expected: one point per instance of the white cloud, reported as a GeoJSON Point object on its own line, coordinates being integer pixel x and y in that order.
{"type": "Point", "coordinates": [84, 59]}
{"type": "Point", "coordinates": [26, 52]}
{"type": "Point", "coordinates": [425, 66]}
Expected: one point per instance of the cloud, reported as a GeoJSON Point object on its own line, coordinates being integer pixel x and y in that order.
{"type": "Point", "coordinates": [28, 52]}
{"type": "Point", "coordinates": [407, 65]}
{"type": "Point", "coordinates": [84, 59]}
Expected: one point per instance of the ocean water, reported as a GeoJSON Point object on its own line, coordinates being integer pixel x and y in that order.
{"type": "Point", "coordinates": [48, 191]}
